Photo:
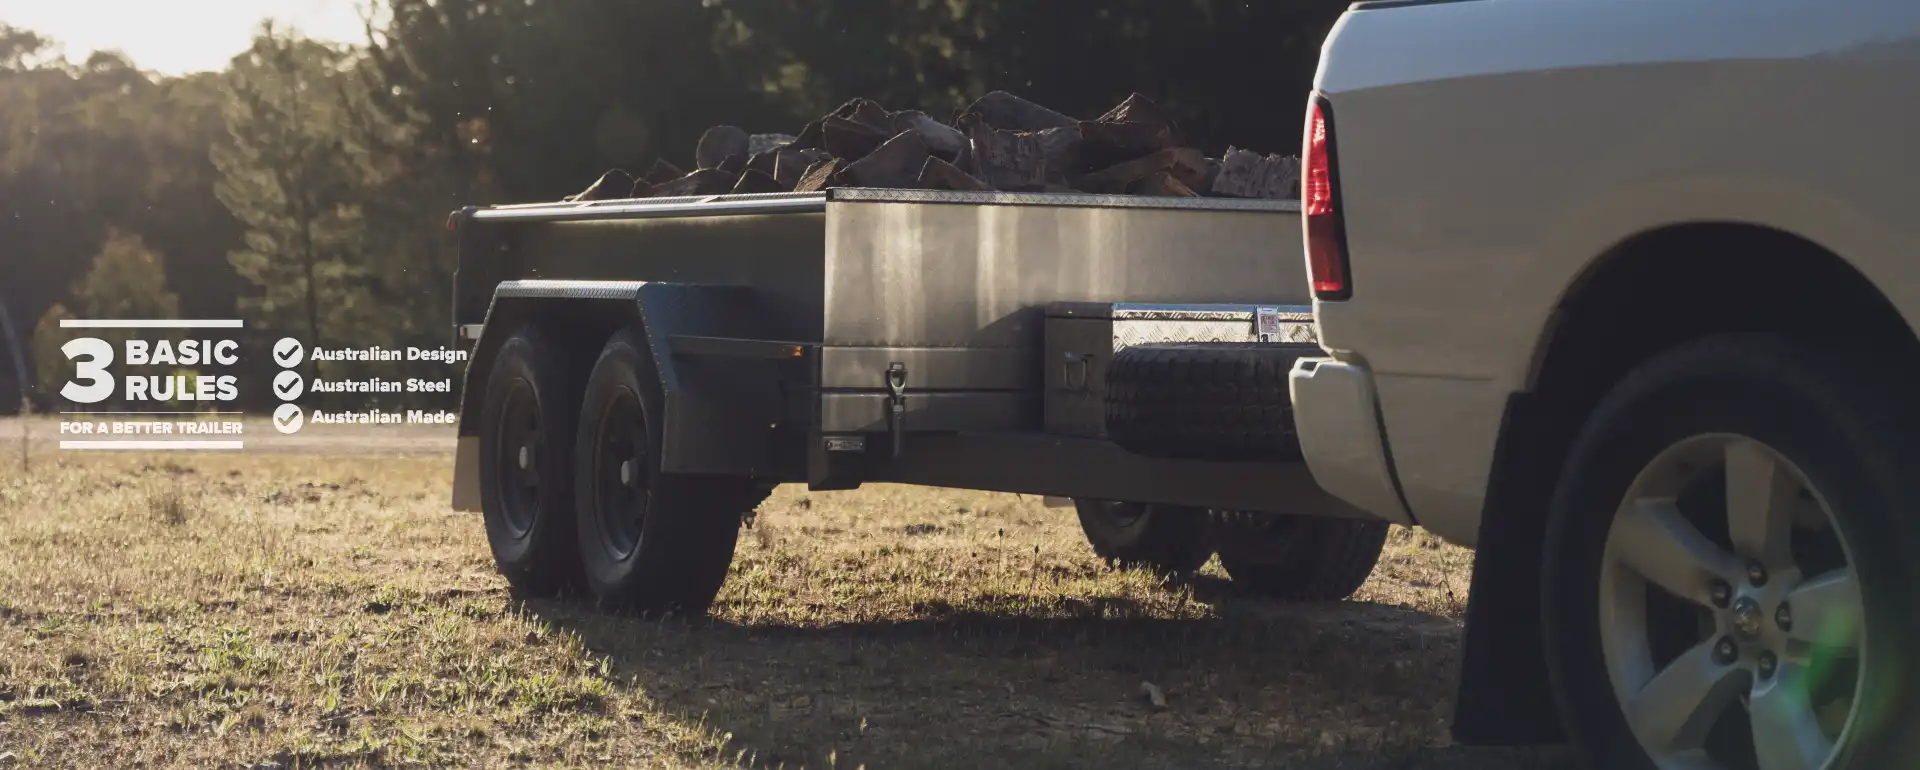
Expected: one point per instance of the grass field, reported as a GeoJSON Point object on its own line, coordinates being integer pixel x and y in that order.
{"type": "Point", "coordinates": [288, 609]}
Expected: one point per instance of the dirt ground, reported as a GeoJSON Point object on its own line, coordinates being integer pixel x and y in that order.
{"type": "Point", "coordinates": [320, 606]}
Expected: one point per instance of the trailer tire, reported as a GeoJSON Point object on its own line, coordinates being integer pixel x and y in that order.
{"type": "Point", "coordinates": [1167, 539]}
{"type": "Point", "coordinates": [1298, 558]}
{"type": "Point", "coordinates": [526, 468]}
{"type": "Point", "coordinates": [1211, 401]}
{"type": "Point", "coordinates": [650, 542]}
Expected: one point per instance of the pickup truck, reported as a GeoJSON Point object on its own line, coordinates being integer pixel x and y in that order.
{"type": "Point", "coordinates": [643, 372]}
{"type": "Point", "coordinates": [1624, 296]}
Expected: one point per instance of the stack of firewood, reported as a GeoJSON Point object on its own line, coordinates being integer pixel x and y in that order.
{"type": "Point", "coordinates": [1001, 142]}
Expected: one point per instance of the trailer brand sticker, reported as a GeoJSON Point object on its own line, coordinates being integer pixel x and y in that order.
{"type": "Point", "coordinates": [1267, 324]}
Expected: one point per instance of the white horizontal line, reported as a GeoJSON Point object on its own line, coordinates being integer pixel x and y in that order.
{"type": "Point", "coordinates": [156, 323]}
{"type": "Point", "coordinates": [160, 445]}
{"type": "Point", "coordinates": [195, 414]}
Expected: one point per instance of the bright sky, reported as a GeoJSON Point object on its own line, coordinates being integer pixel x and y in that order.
{"type": "Point", "coordinates": [176, 36]}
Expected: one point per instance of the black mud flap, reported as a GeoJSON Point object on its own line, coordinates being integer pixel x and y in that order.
{"type": "Point", "coordinates": [1504, 697]}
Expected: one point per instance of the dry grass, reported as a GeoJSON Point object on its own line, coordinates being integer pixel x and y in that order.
{"type": "Point", "coordinates": [329, 610]}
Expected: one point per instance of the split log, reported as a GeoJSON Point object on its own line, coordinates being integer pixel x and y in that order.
{"type": "Point", "coordinates": [718, 144]}
{"type": "Point", "coordinates": [937, 174]}
{"type": "Point", "coordinates": [1161, 183]}
{"type": "Point", "coordinates": [793, 164]}
{"type": "Point", "coordinates": [764, 162]}
{"type": "Point", "coordinates": [663, 172]}
{"type": "Point", "coordinates": [894, 164]}
{"type": "Point", "coordinates": [1001, 142]}
{"type": "Point", "coordinates": [1206, 183]}
{"type": "Point", "coordinates": [1140, 109]}
{"type": "Point", "coordinates": [851, 140]}
{"type": "Point", "coordinates": [759, 144]}
{"type": "Point", "coordinates": [865, 112]}
{"type": "Point", "coordinates": [1011, 160]}
{"type": "Point", "coordinates": [754, 181]}
{"type": "Point", "coordinates": [810, 138]}
{"type": "Point", "coordinates": [1182, 164]}
{"type": "Point", "coordinates": [820, 176]}
{"type": "Point", "coordinates": [1007, 112]}
{"type": "Point", "coordinates": [942, 139]}
{"type": "Point", "coordinates": [1105, 144]}
{"type": "Point", "coordinates": [1246, 174]}
{"type": "Point", "coordinates": [610, 186]}
{"type": "Point", "coordinates": [706, 181]}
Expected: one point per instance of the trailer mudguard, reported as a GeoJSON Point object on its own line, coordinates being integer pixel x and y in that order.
{"type": "Point", "coordinates": [723, 414]}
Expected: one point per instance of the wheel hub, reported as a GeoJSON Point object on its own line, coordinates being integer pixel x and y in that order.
{"type": "Point", "coordinates": [619, 501]}
{"type": "Point", "coordinates": [526, 457]}
{"type": "Point", "coordinates": [1771, 616]}
{"type": "Point", "coordinates": [1746, 619]}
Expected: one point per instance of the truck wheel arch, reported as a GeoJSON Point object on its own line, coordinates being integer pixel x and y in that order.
{"type": "Point", "coordinates": [1651, 291]}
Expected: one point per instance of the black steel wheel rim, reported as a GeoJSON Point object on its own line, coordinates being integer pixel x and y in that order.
{"type": "Point", "coordinates": [620, 472]}
{"type": "Point", "coordinates": [517, 453]}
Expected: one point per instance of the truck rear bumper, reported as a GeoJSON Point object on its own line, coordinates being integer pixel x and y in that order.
{"type": "Point", "coordinates": [1337, 420]}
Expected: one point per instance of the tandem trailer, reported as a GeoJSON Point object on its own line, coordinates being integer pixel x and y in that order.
{"type": "Point", "coordinates": [643, 372]}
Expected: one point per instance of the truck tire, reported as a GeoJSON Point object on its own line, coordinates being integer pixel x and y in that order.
{"type": "Point", "coordinates": [1733, 523]}
{"type": "Point", "coordinates": [1167, 539]}
{"type": "Point", "coordinates": [1212, 401]}
{"type": "Point", "coordinates": [1298, 558]}
{"type": "Point", "coordinates": [650, 542]}
{"type": "Point", "coordinates": [526, 468]}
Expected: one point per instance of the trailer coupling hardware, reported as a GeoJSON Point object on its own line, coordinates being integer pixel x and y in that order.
{"type": "Point", "coordinates": [897, 406]}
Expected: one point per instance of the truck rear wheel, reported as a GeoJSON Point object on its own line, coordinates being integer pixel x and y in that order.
{"type": "Point", "coordinates": [526, 468]}
{"type": "Point", "coordinates": [1164, 538]}
{"type": "Point", "coordinates": [1298, 558]}
{"type": "Point", "coordinates": [649, 541]}
{"type": "Point", "coordinates": [1728, 578]}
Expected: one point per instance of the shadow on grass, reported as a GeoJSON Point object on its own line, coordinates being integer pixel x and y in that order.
{"type": "Point", "coordinates": [1354, 685]}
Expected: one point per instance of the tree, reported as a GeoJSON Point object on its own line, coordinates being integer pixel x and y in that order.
{"type": "Point", "coordinates": [127, 280]}
{"type": "Point", "coordinates": [288, 175]}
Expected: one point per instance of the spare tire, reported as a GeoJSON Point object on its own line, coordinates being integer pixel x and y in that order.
{"type": "Point", "coordinates": [1205, 400]}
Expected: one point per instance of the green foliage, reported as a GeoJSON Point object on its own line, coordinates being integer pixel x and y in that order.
{"type": "Point", "coordinates": [90, 147]}
{"type": "Point", "coordinates": [127, 280]}
{"type": "Point", "coordinates": [48, 361]}
{"type": "Point", "coordinates": [287, 175]}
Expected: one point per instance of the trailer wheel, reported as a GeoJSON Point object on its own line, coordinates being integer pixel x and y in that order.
{"type": "Point", "coordinates": [1163, 538]}
{"type": "Point", "coordinates": [650, 541]}
{"type": "Point", "coordinates": [1298, 558]}
{"type": "Point", "coordinates": [1728, 576]}
{"type": "Point", "coordinates": [526, 468]}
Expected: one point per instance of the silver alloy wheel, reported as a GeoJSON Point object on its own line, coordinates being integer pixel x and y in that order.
{"type": "Point", "coordinates": [1772, 632]}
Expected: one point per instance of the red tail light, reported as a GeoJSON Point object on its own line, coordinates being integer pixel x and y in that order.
{"type": "Point", "coordinates": [1320, 207]}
